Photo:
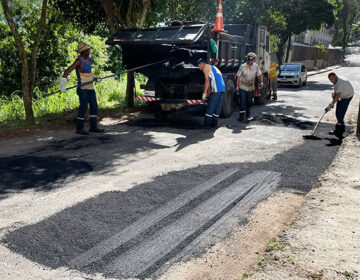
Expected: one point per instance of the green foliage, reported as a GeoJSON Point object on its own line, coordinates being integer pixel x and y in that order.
{"type": "Point", "coordinates": [110, 94]}
{"type": "Point", "coordinates": [53, 56]}
{"type": "Point", "coordinates": [10, 68]}
{"type": "Point", "coordinates": [274, 20]}
{"type": "Point", "coordinates": [86, 15]}
{"type": "Point", "coordinates": [273, 43]}
{"type": "Point", "coordinates": [347, 19]}
{"type": "Point", "coordinates": [191, 10]}
{"type": "Point", "coordinates": [321, 49]}
{"type": "Point", "coordinates": [273, 245]}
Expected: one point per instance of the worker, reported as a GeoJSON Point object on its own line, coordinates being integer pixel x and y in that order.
{"type": "Point", "coordinates": [213, 90]}
{"type": "Point", "coordinates": [86, 93]}
{"type": "Point", "coordinates": [246, 84]}
{"type": "Point", "coordinates": [342, 95]}
{"type": "Point", "coordinates": [274, 67]}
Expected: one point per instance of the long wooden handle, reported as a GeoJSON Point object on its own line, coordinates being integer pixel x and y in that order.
{"type": "Point", "coordinates": [316, 126]}
{"type": "Point", "coordinates": [110, 76]}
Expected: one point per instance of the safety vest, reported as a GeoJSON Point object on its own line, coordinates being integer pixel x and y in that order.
{"type": "Point", "coordinates": [84, 74]}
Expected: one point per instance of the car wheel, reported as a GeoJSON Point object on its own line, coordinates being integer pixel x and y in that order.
{"type": "Point", "coordinates": [305, 81]}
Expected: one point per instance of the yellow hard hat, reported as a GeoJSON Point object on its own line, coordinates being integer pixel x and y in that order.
{"type": "Point", "coordinates": [82, 47]}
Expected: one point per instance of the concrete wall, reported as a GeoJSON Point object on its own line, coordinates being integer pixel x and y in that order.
{"type": "Point", "coordinates": [312, 57]}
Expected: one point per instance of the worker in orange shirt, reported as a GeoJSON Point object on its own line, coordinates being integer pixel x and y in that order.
{"type": "Point", "coordinates": [273, 79]}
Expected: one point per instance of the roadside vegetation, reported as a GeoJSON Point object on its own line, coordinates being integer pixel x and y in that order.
{"type": "Point", "coordinates": [62, 107]}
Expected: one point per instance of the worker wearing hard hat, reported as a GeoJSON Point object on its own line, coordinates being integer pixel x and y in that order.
{"type": "Point", "coordinates": [85, 89]}
{"type": "Point", "coordinates": [274, 67]}
{"type": "Point", "coordinates": [246, 84]}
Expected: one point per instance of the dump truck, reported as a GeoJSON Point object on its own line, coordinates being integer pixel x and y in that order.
{"type": "Point", "coordinates": [177, 82]}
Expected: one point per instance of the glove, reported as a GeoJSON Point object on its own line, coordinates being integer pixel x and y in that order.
{"type": "Point", "coordinates": [204, 96]}
{"type": "Point", "coordinates": [63, 83]}
{"type": "Point", "coordinates": [329, 107]}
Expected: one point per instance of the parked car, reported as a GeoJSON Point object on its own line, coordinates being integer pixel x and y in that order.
{"type": "Point", "coordinates": [292, 74]}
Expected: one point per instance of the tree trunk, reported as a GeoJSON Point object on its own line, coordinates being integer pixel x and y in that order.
{"type": "Point", "coordinates": [130, 90]}
{"type": "Point", "coordinates": [25, 81]}
{"type": "Point", "coordinates": [34, 52]}
{"type": "Point", "coordinates": [108, 6]}
{"type": "Point", "coordinates": [146, 4]}
{"type": "Point", "coordinates": [288, 49]}
{"type": "Point", "coordinates": [281, 49]}
{"type": "Point", "coordinates": [130, 19]}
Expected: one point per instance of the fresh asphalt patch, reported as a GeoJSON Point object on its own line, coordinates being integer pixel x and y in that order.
{"type": "Point", "coordinates": [71, 237]}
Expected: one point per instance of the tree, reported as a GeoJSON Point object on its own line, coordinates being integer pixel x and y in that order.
{"type": "Point", "coordinates": [126, 14]}
{"type": "Point", "coordinates": [115, 14]}
{"type": "Point", "coordinates": [347, 16]}
{"type": "Point", "coordinates": [28, 69]}
{"type": "Point", "coordinates": [295, 16]}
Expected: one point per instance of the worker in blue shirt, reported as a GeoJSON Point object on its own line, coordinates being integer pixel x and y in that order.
{"type": "Point", "coordinates": [213, 91]}
{"type": "Point", "coordinates": [85, 90]}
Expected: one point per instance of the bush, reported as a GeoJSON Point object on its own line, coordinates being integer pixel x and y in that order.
{"type": "Point", "coordinates": [110, 95]}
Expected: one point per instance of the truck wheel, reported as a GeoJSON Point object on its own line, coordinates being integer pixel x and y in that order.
{"type": "Point", "coordinates": [264, 92]}
{"type": "Point", "coordinates": [227, 106]}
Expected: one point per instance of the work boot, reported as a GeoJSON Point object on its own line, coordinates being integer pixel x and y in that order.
{"type": "Point", "coordinates": [339, 130]}
{"type": "Point", "coordinates": [247, 113]}
{"type": "Point", "coordinates": [80, 127]}
{"type": "Point", "coordinates": [241, 117]}
{"type": "Point", "coordinates": [214, 124]}
{"type": "Point", "coordinates": [97, 130]}
{"type": "Point", "coordinates": [268, 96]}
{"type": "Point", "coordinates": [82, 132]}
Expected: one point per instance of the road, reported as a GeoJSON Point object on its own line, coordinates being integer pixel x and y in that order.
{"type": "Point", "coordinates": [145, 195]}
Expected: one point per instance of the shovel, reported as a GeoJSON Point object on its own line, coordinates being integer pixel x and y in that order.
{"type": "Point", "coordinates": [312, 136]}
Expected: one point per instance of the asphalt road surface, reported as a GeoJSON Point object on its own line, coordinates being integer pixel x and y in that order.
{"type": "Point", "coordinates": [144, 195]}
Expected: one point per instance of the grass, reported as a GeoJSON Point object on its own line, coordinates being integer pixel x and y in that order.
{"type": "Point", "coordinates": [110, 95]}
{"type": "Point", "coordinates": [272, 245]}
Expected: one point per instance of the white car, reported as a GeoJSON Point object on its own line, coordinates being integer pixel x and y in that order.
{"type": "Point", "coordinates": [294, 74]}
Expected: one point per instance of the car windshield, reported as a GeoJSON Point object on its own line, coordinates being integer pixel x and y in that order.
{"type": "Point", "coordinates": [290, 67]}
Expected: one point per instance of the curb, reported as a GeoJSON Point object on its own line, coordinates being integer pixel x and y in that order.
{"type": "Point", "coordinates": [323, 71]}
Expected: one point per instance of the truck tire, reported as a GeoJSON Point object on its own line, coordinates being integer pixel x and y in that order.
{"type": "Point", "coordinates": [264, 93]}
{"type": "Point", "coordinates": [227, 105]}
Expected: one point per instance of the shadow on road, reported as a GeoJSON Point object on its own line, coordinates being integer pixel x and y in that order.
{"type": "Point", "coordinates": [24, 172]}
{"type": "Point", "coordinates": [47, 166]}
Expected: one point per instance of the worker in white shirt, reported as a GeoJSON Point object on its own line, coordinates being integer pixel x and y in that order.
{"type": "Point", "coordinates": [246, 84]}
{"type": "Point", "coordinates": [343, 93]}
